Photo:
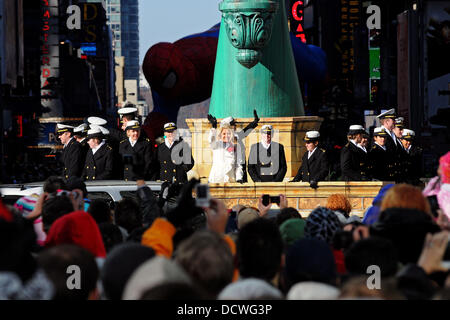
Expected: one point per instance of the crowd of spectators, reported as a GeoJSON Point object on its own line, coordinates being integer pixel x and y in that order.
{"type": "Point", "coordinates": [168, 248]}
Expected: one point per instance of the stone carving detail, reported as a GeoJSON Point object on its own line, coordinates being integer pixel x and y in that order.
{"type": "Point", "coordinates": [249, 30]}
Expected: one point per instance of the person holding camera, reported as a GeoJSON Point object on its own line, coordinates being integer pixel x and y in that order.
{"type": "Point", "coordinates": [173, 158]}
{"type": "Point", "coordinates": [72, 156]}
{"type": "Point", "coordinates": [267, 162]}
{"type": "Point", "coordinates": [136, 153]}
{"type": "Point", "coordinates": [314, 162]}
{"type": "Point", "coordinates": [99, 159]}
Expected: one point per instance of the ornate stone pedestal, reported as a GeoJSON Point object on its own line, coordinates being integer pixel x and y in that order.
{"type": "Point", "coordinates": [289, 131]}
{"type": "Point", "coordinates": [299, 194]}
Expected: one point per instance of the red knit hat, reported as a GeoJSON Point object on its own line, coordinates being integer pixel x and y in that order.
{"type": "Point", "coordinates": [77, 228]}
{"type": "Point", "coordinates": [5, 214]}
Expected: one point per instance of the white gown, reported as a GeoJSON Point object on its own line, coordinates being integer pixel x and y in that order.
{"type": "Point", "coordinates": [224, 163]}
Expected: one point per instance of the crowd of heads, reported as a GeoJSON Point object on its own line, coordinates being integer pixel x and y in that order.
{"type": "Point", "coordinates": [140, 249]}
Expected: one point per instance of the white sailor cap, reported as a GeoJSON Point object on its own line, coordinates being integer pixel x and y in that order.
{"type": "Point", "coordinates": [133, 125]}
{"type": "Point", "coordinates": [228, 121]}
{"type": "Point", "coordinates": [94, 132]}
{"type": "Point", "coordinates": [355, 129]}
{"type": "Point", "coordinates": [127, 110]}
{"type": "Point", "coordinates": [82, 129]}
{"type": "Point", "coordinates": [267, 128]}
{"type": "Point", "coordinates": [387, 114]}
{"type": "Point", "coordinates": [170, 126]}
{"type": "Point", "coordinates": [399, 122]}
{"type": "Point", "coordinates": [379, 131]}
{"type": "Point", "coordinates": [61, 128]}
{"type": "Point", "coordinates": [408, 134]}
{"type": "Point", "coordinates": [312, 136]}
{"type": "Point", "coordinates": [97, 121]}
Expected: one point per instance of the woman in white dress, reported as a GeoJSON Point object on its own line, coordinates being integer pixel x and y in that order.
{"type": "Point", "coordinates": [225, 167]}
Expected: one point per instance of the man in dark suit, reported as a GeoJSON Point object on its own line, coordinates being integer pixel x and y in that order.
{"type": "Point", "coordinates": [136, 153]}
{"type": "Point", "coordinates": [71, 155]}
{"type": "Point", "coordinates": [173, 158]}
{"type": "Point", "coordinates": [99, 159]}
{"type": "Point", "coordinates": [354, 157]}
{"type": "Point", "coordinates": [266, 161]}
{"type": "Point", "coordinates": [315, 166]}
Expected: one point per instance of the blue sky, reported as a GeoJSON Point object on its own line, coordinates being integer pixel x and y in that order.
{"type": "Point", "coordinates": [168, 21]}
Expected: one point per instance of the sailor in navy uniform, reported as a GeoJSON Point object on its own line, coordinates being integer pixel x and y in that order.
{"type": "Point", "coordinates": [96, 122]}
{"type": "Point", "coordinates": [173, 158]}
{"type": "Point", "coordinates": [80, 133]}
{"type": "Point", "coordinates": [71, 156]}
{"type": "Point", "coordinates": [267, 161]}
{"type": "Point", "coordinates": [136, 153]}
{"type": "Point", "coordinates": [412, 162]}
{"type": "Point", "coordinates": [99, 159]}
{"type": "Point", "coordinates": [382, 167]}
{"type": "Point", "coordinates": [393, 144]}
{"type": "Point", "coordinates": [401, 152]}
{"type": "Point", "coordinates": [314, 166]}
{"type": "Point", "coordinates": [354, 156]}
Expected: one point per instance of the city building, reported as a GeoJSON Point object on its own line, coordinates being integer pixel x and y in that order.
{"type": "Point", "coordinates": [123, 19]}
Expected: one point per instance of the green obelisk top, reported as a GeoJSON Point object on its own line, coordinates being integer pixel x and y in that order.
{"type": "Point", "coordinates": [255, 66]}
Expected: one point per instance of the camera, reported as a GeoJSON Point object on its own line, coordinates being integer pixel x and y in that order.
{"type": "Point", "coordinates": [266, 199]}
{"type": "Point", "coordinates": [434, 205]}
{"type": "Point", "coordinates": [67, 193]}
{"type": "Point", "coordinates": [202, 195]}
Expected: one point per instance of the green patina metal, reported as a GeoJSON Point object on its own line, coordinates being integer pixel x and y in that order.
{"type": "Point", "coordinates": [255, 66]}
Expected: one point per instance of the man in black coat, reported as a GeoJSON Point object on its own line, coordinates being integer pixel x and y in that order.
{"type": "Point", "coordinates": [99, 159]}
{"type": "Point", "coordinates": [412, 161]}
{"type": "Point", "coordinates": [354, 157]}
{"type": "Point", "coordinates": [393, 144]}
{"type": "Point", "coordinates": [266, 161]}
{"type": "Point", "coordinates": [71, 156]}
{"type": "Point", "coordinates": [315, 166]}
{"type": "Point", "coordinates": [382, 168]}
{"type": "Point", "coordinates": [136, 153]}
{"type": "Point", "coordinates": [80, 134]}
{"type": "Point", "coordinates": [173, 158]}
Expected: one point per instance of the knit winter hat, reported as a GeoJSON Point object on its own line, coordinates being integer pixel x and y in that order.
{"type": "Point", "coordinates": [245, 216]}
{"type": "Point", "coordinates": [322, 224]}
{"type": "Point", "coordinates": [292, 230]}
{"type": "Point", "coordinates": [26, 204]}
{"type": "Point", "coordinates": [250, 289]}
{"type": "Point", "coordinates": [372, 213]}
{"type": "Point", "coordinates": [310, 290]}
{"type": "Point", "coordinates": [77, 228]}
{"type": "Point", "coordinates": [120, 264]}
{"type": "Point", "coordinates": [152, 273]}
{"type": "Point", "coordinates": [310, 260]}
{"type": "Point", "coordinates": [444, 165]}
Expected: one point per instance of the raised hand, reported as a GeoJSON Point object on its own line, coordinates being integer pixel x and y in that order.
{"type": "Point", "coordinates": [256, 116]}
{"type": "Point", "coordinates": [212, 120]}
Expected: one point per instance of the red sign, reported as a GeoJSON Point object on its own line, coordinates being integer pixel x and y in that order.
{"type": "Point", "coordinates": [298, 16]}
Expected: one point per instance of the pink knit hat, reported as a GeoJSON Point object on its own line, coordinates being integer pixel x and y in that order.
{"type": "Point", "coordinates": [444, 165]}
